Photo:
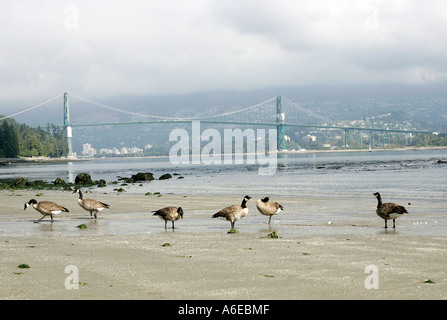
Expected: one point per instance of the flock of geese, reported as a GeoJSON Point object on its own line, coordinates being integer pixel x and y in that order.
{"type": "Point", "coordinates": [233, 213]}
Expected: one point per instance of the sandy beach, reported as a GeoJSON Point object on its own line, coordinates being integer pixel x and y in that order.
{"type": "Point", "coordinates": [188, 263]}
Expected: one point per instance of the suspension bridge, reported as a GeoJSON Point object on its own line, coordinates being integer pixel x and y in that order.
{"type": "Point", "coordinates": [278, 112]}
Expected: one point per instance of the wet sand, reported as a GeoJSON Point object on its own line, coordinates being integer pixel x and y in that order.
{"type": "Point", "coordinates": [202, 261]}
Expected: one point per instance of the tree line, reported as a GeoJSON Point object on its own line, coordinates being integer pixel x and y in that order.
{"type": "Point", "coordinates": [20, 140]}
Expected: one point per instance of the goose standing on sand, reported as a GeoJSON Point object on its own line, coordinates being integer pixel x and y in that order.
{"type": "Point", "coordinates": [268, 208]}
{"type": "Point", "coordinates": [90, 205]}
{"type": "Point", "coordinates": [169, 214]}
{"type": "Point", "coordinates": [46, 208]}
{"type": "Point", "coordinates": [389, 210]}
{"type": "Point", "coordinates": [234, 213]}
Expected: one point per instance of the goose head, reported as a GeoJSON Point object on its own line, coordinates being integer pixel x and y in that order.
{"type": "Point", "coordinates": [29, 203]}
{"type": "Point", "coordinates": [180, 212]}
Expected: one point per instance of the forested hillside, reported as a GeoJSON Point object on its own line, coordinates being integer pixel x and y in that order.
{"type": "Point", "coordinates": [20, 140]}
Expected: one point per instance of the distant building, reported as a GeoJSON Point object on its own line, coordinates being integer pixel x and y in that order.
{"type": "Point", "coordinates": [87, 150]}
{"type": "Point", "coordinates": [109, 151]}
{"type": "Point", "coordinates": [122, 151]}
{"type": "Point", "coordinates": [134, 150]}
{"type": "Point", "coordinates": [309, 139]}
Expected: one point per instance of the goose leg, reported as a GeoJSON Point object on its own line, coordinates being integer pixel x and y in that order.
{"type": "Point", "coordinates": [394, 223]}
{"type": "Point", "coordinates": [166, 223]}
{"type": "Point", "coordinates": [172, 224]}
{"type": "Point", "coordinates": [232, 224]}
{"type": "Point", "coordinates": [43, 216]}
{"type": "Point", "coordinates": [386, 226]}
{"type": "Point", "coordinates": [270, 218]}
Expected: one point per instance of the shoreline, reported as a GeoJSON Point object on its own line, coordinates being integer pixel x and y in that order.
{"type": "Point", "coordinates": [367, 150]}
{"type": "Point", "coordinates": [38, 160]}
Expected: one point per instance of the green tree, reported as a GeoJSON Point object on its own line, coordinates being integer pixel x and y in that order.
{"type": "Point", "coordinates": [9, 142]}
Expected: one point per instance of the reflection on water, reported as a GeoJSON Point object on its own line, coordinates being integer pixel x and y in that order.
{"type": "Point", "coordinates": [332, 179]}
{"type": "Point", "coordinates": [70, 170]}
{"type": "Point", "coordinates": [286, 226]}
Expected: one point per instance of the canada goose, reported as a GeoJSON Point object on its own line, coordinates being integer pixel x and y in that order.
{"type": "Point", "coordinates": [169, 214]}
{"type": "Point", "coordinates": [234, 213]}
{"type": "Point", "coordinates": [46, 208]}
{"type": "Point", "coordinates": [389, 210]}
{"type": "Point", "coordinates": [90, 205]}
{"type": "Point", "coordinates": [268, 208]}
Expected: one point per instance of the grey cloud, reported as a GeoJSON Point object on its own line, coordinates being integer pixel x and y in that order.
{"type": "Point", "coordinates": [176, 47]}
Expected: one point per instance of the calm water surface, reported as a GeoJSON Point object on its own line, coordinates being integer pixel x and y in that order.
{"type": "Point", "coordinates": [397, 172]}
{"type": "Point", "coordinates": [414, 176]}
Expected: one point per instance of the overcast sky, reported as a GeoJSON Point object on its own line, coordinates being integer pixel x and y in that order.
{"type": "Point", "coordinates": [99, 49]}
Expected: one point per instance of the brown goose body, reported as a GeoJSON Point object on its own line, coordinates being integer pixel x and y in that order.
{"type": "Point", "coordinates": [169, 214]}
{"type": "Point", "coordinates": [90, 205]}
{"type": "Point", "coordinates": [234, 213]}
{"type": "Point", "coordinates": [46, 208]}
{"type": "Point", "coordinates": [389, 210]}
{"type": "Point", "coordinates": [268, 208]}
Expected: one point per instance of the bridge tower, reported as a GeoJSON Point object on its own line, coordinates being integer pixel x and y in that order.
{"type": "Point", "coordinates": [280, 121]}
{"type": "Point", "coordinates": [67, 125]}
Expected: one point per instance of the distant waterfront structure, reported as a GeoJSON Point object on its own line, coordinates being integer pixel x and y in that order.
{"type": "Point", "coordinates": [309, 138]}
{"type": "Point", "coordinates": [123, 151]}
{"type": "Point", "coordinates": [88, 150]}
{"type": "Point", "coordinates": [109, 151]}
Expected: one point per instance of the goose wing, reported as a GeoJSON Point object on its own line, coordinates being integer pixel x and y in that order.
{"type": "Point", "coordinates": [228, 211]}
{"type": "Point", "coordinates": [165, 212]}
{"type": "Point", "coordinates": [389, 208]}
{"type": "Point", "coordinates": [52, 207]}
{"type": "Point", "coordinates": [91, 204]}
{"type": "Point", "coordinates": [278, 206]}
{"type": "Point", "coordinates": [268, 208]}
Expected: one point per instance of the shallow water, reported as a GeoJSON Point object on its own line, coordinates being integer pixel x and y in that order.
{"type": "Point", "coordinates": [285, 225]}
{"type": "Point", "coordinates": [330, 180]}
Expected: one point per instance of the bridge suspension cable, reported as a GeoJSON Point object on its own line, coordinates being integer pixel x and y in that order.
{"type": "Point", "coordinates": [232, 112]}
{"type": "Point", "coordinates": [117, 109]}
{"type": "Point", "coordinates": [302, 109]}
{"type": "Point", "coordinates": [31, 108]}
{"type": "Point", "coordinates": [167, 118]}
{"type": "Point", "coordinates": [108, 107]}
